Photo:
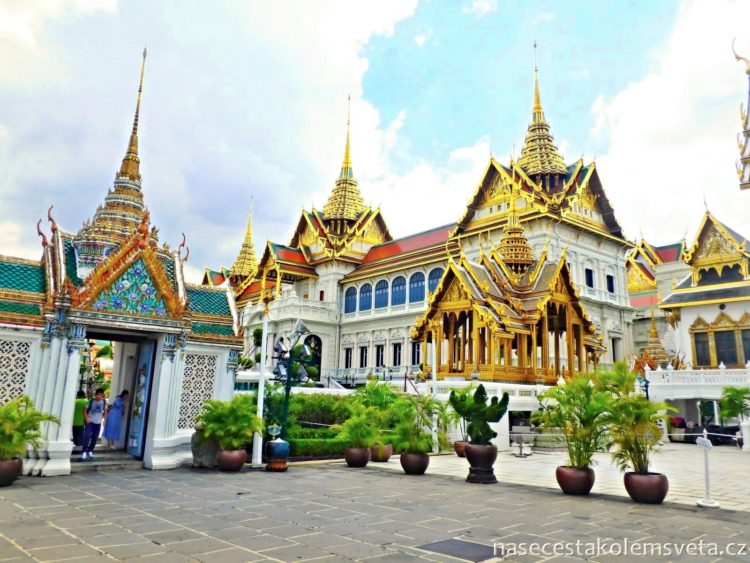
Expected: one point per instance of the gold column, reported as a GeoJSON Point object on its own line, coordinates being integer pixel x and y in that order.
{"type": "Point", "coordinates": [569, 338]}
{"type": "Point", "coordinates": [557, 341]}
{"type": "Point", "coordinates": [581, 352]}
{"type": "Point", "coordinates": [545, 341]}
{"type": "Point", "coordinates": [534, 355]}
{"type": "Point", "coordinates": [476, 345]}
{"type": "Point", "coordinates": [451, 335]}
{"type": "Point", "coordinates": [439, 343]}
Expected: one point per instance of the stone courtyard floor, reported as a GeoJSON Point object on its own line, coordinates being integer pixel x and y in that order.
{"type": "Point", "coordinates": [330, 513]}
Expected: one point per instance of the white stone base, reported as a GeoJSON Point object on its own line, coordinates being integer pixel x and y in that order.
{"type": "Point", "coordinates": [169, 453]}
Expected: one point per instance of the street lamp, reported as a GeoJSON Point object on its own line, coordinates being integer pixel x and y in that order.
{"type": "Point", "coordinates": [290, 366]}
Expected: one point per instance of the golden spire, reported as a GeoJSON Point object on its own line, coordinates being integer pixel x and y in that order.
{"type": "Point", "coordinates": [345, 201]}
{"type": "Point", "coordinates": [539, 154]}
{"type": "Point", "coordinates": [346, 165]}
{"type": "Point", "coordinates": [515, 249]}
{"type": "Point", "coordinates": [654, 348]}
{"type": "Point", "coordinates": [246, 264]}
{"type": "Point", "coordinates": [131, 163]}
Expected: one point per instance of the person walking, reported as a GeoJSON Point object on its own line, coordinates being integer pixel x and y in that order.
{"type": "Point", "coordinates": [79, 422]}
{"type": "Point", "coordinates": [115, 418]}
{"type": "Point", "coordinates": [94, 413]}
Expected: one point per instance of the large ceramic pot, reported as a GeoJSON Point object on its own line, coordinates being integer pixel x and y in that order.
{"type": "Point", "coordinates": [231, 460]}
{"type": "Point", "coordinates": [481, 459]}
{"type": "Point", "coordinates": [9, 471]}
{"type": "Point", "coordinates": [381, 453]}
{"type": "Point", "coordinates": [459, 446]}
{"type": "Point", "coordinates": [575, 481]}
{"type": "Point", "coordinates": [414, 464]}
{"type": "Point", "coordinates": [647, 488]}
{"type": "Point", "coordinates": [357, 457]}
{"type": "Point", "coordinates": [277, 453]}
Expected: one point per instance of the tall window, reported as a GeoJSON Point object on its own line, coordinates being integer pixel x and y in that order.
{"type": "Point", "coordinates": [365, 297]}
{"type": "Point", "coordinates": [381, 294]}
{"type": "Point", "coordinates": [363, 356]}
{"type": "Point", "coordinates": [746, 344]}
{"type": "Point", "coordinates": [396, 357]}
{"type": "Point", "coordinates": [589, 277]}
{"type": "Point", "coordinates": [610, 283]}
{"type": "Point", "coordinates": [379, 356]}
{"type": "Point", "coordinates": [434, 279]}
{"type": "Point", "coordinates": [416, 288]}
{"type": "Point", "coordinates": [347, 358]}
{"type": "Point", "coordinates": [702, 354]}
{"type": "Point", "coordinates": [416, 355]}
{"type": "Point", "coordinates": [398, 291]}
{"type": "Point", "coordinates": [350, 300]}
{"type": "Point", "coordinates": [726, 347]}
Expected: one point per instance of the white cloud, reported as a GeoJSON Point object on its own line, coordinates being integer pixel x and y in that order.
{"type": "Point", "coordinates": [672, 134]}
{"type": "Point", "coordinates": [421, 38]}
{"type": "Point", "coordinates": [480, 8]}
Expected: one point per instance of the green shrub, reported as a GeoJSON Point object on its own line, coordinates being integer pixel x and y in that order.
{"type": "Point", "coordinates": [317, 446]}
{"type": "Point", "coordinates": [319, 408]}
{"type": "Point", "coordinates": [19, 427]}
{"type": "Point", "coordinates": [360, 430]}
{"type": "Point", "coordinates": [412, 433]}
{"type": "Point", "coordinates": [479, 414]}
{"type": "Point", "coordinates": [233, 423]}
{"type": "Point", "coordinates": [307, 432]}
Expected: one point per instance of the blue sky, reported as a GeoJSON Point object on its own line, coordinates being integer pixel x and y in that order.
{"type": "Point", "coordinates": [248, 99]}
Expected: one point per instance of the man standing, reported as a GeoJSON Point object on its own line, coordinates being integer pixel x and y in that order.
{"type": "Point", "coordinates": [79, 422]}
{"type": "Point", "coordinates": [94, 413]}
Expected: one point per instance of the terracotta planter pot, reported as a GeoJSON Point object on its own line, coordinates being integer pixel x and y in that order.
{"type": "Point", "coordinates": [574, 481]}
{"type": "Point", "coordinates": [481, 459]}
{"type": "Point", "coordinates": [381, 453]}
{"type": "Point", "coordinates": [357, 457]}
{"type": "Point", "coordinates": [231, 460]}
{"type": "Point", "coordinates": [9, 471]}
{"type": "Point", "coordinates": [414, 464]}
{"type": "Point", "coordinates": [459, 446]}
{"type": "Point", "coordinates": [647, 488]}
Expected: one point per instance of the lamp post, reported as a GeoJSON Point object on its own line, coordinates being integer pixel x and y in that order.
{"type": "Point", "coordinates": [258, 438]}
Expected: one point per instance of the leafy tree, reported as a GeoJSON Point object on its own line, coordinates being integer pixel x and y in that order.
{"type": "Point", "coordinates": [734, 402]}
{"type": "Point", "coordinates": [20, 424]}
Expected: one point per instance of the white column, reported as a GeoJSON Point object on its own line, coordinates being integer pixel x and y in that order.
{"type": "Point", "coordinates": [434, 392]}
{"type": "Point", "coordinates": [258, 439]}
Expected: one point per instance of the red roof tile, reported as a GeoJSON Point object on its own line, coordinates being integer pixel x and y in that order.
{"type": "Point", "coordinates": [411, 243]}
{"type": "Point", "coordinates": [644, 300]}
{"type": "Point", "coordinates": [286, 254]}
{"type": "Point", "coordinates": [669, 253]}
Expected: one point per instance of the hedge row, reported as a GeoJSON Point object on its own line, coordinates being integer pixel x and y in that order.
{"type": "Point", "coordinates": [317, 446]}
{"type": "Point", "coordinates": [307, 432]}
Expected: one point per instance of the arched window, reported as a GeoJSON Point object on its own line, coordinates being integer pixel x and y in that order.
{"type": "Point", "coordinates": [398, 291]}
{"type": "Point", "coordinates": [381, 294]}
{"type": "Point", "coordinates": [416, 288]}
{"type": "Point", "coordinates": [350, 300]}
{"type": "Point", "coordinates": [365, 297]}
{"type": "Point", "coordinates": [434, 279]}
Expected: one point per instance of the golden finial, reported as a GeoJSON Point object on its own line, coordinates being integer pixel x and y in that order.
{"type": "Point", "coordinates": [131, 163]}
{"type": "Point", "coordinates": [740, 57]}
{"type": "Point", "coordinates": [346, 165]}
{"type": "Point", "coordinates": [538, 114]}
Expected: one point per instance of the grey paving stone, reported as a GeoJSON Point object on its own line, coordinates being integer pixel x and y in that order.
{"type": "Point", "coordinates": [231, 555]}
{"type": "Point", "coordinates": [262, 542]}
{"type": "Point", "coordinates": [63, 552]}
{"type": "Point", "coordinates": [174, 536]}
{"type": "Point", "coordinates": [51, 540]}
{"type": "Point", "coordinates": [133, 550]}
{"type": "Point", "coordinates": [358, 550]}
{"type": "Point", "coordinates": [198, 546]}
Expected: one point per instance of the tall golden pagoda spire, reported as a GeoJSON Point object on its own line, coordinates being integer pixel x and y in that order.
{"type": "Point", "coordinates": [246, 264]}
{"type": "Point", "coordinates": [539, 154]}
{"type": "Point", "coordinates": [654, 348]}
{"type": "Point", "coordinates": [131, 163]}
{"type": "Point", "coordinates": [743, 140]}
{"type": "Point", "coordinates": [123, 209]}
{"type": "Point", "coordinates": [345, 202]}
{"type": "Point", "coordinates": [514, 248]}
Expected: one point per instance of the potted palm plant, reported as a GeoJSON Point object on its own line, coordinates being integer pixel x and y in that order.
{"type": "Point", "coordinates": [578, 408]}
{"type": "Point", "coordinates": [412, 435]}
{"type": "Point", "coordinates": [464, 396]}
{"type": "Point", "coordinates": [734, 404]}
{"type": "Point", "coordinates": [634, 434]}
{"type": "Point", "coordinates": [481, 453]}
{"type": "Point", "coordinates": [233, 424]}
{"type": "Point", "coordinates": [380, 397]}
{"type": "Point", "coordinates": [19, 428]}
{"type": "Point", "coordinates": [360, 431]}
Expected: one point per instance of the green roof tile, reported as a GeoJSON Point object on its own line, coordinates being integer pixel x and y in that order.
{"type": "Point", "coordinates": [23, 277]}
{"type": "Point", "coordinates": [168, 263]}
{"type": "Point", "coordinates": [19, 308]}
{"type": "Point", "coordinates": [205, 328]}
{"type": "Point", "coordinates": [208, 301]}
{"type": "Point", "coordinates": [71, 265]}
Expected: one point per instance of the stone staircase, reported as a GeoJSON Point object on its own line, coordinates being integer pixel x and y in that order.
{"type": "Point", "coordinates": [104, 460]}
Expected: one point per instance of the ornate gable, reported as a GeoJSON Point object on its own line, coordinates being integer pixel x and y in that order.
{"type": "Point", "coordinates": [716, 248]}
{"type": "Point", "coordinates": [133, 293]}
